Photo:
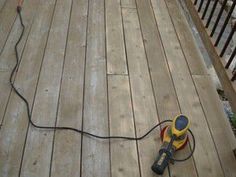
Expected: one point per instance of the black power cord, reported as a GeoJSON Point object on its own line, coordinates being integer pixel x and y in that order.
{"type": "Point", "coordinates": [71, 128]}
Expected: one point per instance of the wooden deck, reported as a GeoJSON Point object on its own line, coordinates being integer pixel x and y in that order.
{"type": "Point", "coordinates": [111, 67]}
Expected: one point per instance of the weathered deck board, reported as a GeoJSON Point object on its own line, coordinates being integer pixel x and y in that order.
{"type": "Point", "coordinates": [116, 59]}
{"type": "Point", "coordinates": [7, 57]}
{"type": "Point", "coordinates": [45, 106]}
{"type": "Point", "coordinates": [186, 39]}
{"type": "Point", "coordinates": [219, 127]}
{"type": "Point", "coordinates": [67, 145]}
{"type": "Point", "coordinates": [15, 125]}
{"type": "Point", "coordinates": [7, 18]}
{"type": "Point", "coordinates": [95, 153]}
{"type": "Point", "coordinates": [166, 100]}
{"type": "Point", "coordinates": [188, 99]}
{"type": "Point", "coordinates": [124, 157]}
{"type": "Point", "coordinates": [143, 99]}
{"type": "Point", "coordinates": [108, 67]}
{"type": "Point", "coordinates": [128, 3]}
{"type": "Point", "coordinates": [2, 4]}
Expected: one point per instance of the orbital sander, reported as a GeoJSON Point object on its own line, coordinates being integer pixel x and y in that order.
{"type": "Point", "coordinates": [174, 138]}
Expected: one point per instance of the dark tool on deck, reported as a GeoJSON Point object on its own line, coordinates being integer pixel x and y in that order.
{"type": "Point", "coordinates": [174, 138]}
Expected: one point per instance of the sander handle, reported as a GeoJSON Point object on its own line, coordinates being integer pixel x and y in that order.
{"type": "Point", "coordinates": [162, 161]}
{"type": "Point", "coordinates": [164, 157]}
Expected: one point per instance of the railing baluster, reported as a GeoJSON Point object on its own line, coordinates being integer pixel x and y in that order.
{"type": "Point", "coordinates": [195, 2]}
{"type": "Point", "coordinates": [218, 18]}
{"type": "Point", "coordinates": [200, 5]}
{"type": "Point", "coordinates": [225, 23]}
{"type": "Point", "coordinates": [228, 40]}
{"type": "Point", "coordinates": [205, 10]}
{"type": "Point", "coordinates": [212, 13]}
{"type": "Point", "coordinates": [231, 59]}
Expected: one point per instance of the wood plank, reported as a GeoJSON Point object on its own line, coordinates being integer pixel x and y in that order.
{"type": "Point", "coordinates": [128, 3]}
{"type": "Point", "coordinates": [7, 57]}
{"type": "Point", "coordinates": [143, 100]}
{"type": "Point", "coordinates": [45, 106]}
{"type": "Point", "coordinates": [14, 129]}
{"type": "Point", "coordinates": [220, 128]}
{"type": "Point", "coordinates": [166, 99]}
{"type": "Point", "coordinates": [95, 153]}
{"type": "Point", "coordinates": [7, 18]}
{"type": "Point", "coordinates": [124, 158]}
{"type": "Point", "coordinates": [207, 162]}
{"type": "Point", "coordinates": [186, 39]}
{"type": "Point", "coordinates": [116, 59]}
{"type": "Point", "coordinates": [2, 4]}
{"type": "Point", "coordinates": [67, 145]}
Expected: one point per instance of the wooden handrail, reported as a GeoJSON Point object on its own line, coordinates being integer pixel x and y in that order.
{"type": "Point", "coordinates": [226, 77]}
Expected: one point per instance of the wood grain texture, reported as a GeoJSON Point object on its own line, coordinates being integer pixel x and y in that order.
{"type": "Point", "coordinates": [2, 4]}
{"type": "Point", "coordinates": [95, 153]}
{"type": "Point", "coordinates": [166, 98]}
{"type": "Point", "coordinates": [7, 18]}
{"type": "Point", "coordinates": [124, 157]}
{"type": "Point", "coordinates": [192, 53]}
{"type": "Point", "coordinates": [45, 106]}
{"type": "Point", "coordinates": [207, 162]}
{"type": "Point", "coordinates": [7, 57]}
{"type": "Point", "coordinates": [143, 99]}
{"type": "Point", "coordinates": [163, 88]}
{"type": "Point", "coordinates": [67, 145]}
{"type": "Point", "coordinates": [219, 125]}
{"type": "Point", "coordinates": [65, 74]}
{"type": "Point", "coordinates": [128, 3]}
{"type": "Point", "coordinates": [15, 125]}
{"type": "Point", "coordinates": [116, 59]}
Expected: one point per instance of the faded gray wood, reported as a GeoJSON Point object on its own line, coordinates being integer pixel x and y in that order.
{"type": "Point", "coordinates": [7, 18]}
{"type": "Point", "coordinates": [166, 99]}
{"type": "Point", "coordinates": [45, 106]}
{"type": "Point", "coordinates": [207, 162]}
{"type": "Point", "coordinates": [116, 59]}
{"type": "Point", "coordinates": [155, 74]}
{"type": "Point", "coordinates": [143, 99]}
{"type": "Point", "coordinates": [2, 3]}
{"type": "Point", "coordinates": [15, 125]}
{"type": "Point", "coordinates": [67, 145]}
{"type": "Point", "coordinates": [128, 3]}
{"type": "Point", "coordinates": [186, 39]}
{"type": "Point", "coordinates": [95, 153]}
{"type": "Point", "coordinates": [219, 125]}
{"type": "Point", "coordinates": [124, 157]}
{"type": "Point", "coordinates": [7, 57]}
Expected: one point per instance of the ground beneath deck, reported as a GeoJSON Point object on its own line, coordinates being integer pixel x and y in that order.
{"type": "Point", "coordinates": [110, 68]}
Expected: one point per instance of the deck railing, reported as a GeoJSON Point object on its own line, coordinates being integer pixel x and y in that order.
{"type": "Point", "coordinates": [213, 21]}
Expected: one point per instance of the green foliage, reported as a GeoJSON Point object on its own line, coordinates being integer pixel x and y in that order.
{"type": "Point", "coordinates": [233, 120]}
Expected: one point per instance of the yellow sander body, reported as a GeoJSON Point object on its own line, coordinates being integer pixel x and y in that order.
{"type": "Point", "coordinates": [174, 138]}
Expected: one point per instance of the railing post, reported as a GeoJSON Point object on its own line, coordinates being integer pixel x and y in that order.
{"type": "Point", "coordinates": [218, 17]}
{"type": "Point", "coordinates": [212, 13]}
{"type": "Point", "coordinates": [225, 23]}
{"type": "Point", "coordinates": [228, 41]}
